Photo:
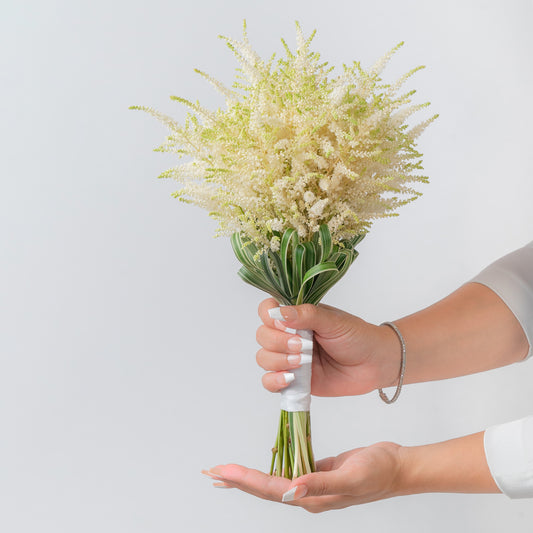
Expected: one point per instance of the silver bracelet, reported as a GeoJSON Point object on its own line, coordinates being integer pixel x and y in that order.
{"type": "Point", "coordinates": [382, 395]}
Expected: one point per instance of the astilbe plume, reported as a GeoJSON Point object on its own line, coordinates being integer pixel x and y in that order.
{"type": "Point", "coordinates": [296, 149]}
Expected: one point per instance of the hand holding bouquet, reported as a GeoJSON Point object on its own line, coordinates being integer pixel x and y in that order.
{"type": "Point", "coordinates": [295, 170]}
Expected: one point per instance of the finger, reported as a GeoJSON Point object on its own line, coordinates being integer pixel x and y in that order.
{"type": "Point", "coordinates": [278, 341]}
{"type": "Point", "coordinates": [319, 504]}
{"type": "Point", "coordinates": [211, 474]}
{"type": "Point", "coordinates": [326, 483]}
{"type": "Point", "coordinates": [324, 320]}
{"type": "Point", "coordinates": [276, 381]}
{"type": "Point", "coordinates": [222, 485]}
{"type": "Point", "coordinates": [262, 311]}
{"type": "Point", "coordinates": [253, 481]}
{"type": "Point", "coordinates": [323, 465]}
{"type": "Point", "coordinates": [277, 361]}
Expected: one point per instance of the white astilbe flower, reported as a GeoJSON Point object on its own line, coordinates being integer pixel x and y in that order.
{"type": "Point", "coordinates": [308, 197]}
{"type": "Point", "coordinates": [318, 208]}
{"type": "Point", "coordinates": [296, 149]}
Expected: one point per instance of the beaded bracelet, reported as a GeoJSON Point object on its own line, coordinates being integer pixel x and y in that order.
{"type": "Point", "coordinates": [382, 395]}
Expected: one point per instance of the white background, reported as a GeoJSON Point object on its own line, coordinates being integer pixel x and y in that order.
{"type": "Point", "coordinates": [127, 341]}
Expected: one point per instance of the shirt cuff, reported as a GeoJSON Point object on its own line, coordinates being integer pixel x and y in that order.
{"type": "Point", "coordinates": [509, 454]}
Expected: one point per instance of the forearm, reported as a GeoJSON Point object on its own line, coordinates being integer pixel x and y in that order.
{"type": "Point", "coordinates": [457, 465]}
{"type": "Point", "coordinates": [470, 331]}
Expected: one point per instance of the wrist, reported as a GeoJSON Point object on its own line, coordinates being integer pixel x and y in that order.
{"type": "Point", "coordinates": [408, 477]}
{"type": "Point", "coordinates": [387, 354]}
{"type": "Point", "coordinates": [457, 465]}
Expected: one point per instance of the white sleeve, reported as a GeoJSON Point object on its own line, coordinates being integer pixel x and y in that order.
{"type": "Point", "coordinates": [509, 453]}
{"type": "Point", "coordinates": [511, 278]}
{"type": "Point", "coordinates": [509, 447]}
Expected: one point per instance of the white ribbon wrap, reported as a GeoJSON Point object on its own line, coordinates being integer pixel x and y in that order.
{"type": "Point", "coordinates": [297, 396]}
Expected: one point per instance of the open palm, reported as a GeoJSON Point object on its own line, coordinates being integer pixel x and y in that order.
{"type": "Point", "coordinates": [358, 476]}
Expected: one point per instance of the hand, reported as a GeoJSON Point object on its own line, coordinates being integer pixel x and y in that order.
{"type": "Point", "coordinates": [350, 356]}
{"type": "Point", "coordinates": [358, 476]}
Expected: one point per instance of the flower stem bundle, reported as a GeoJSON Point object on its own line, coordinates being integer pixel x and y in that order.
{"type": "Point", "coordinates": [293, 448]}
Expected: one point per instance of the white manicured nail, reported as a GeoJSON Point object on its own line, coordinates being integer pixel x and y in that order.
{"type": "Point", "coordinates": [295, 344]}
{"type": "Point", "coordinates": [275, 313]}
{"type": "Point", "coordinates": [289, 495]}
{"type": "Point", "coordinates": [300, 344]}
{"type": "Point", "coordinates": [279, 324]}
{"type": "Point", "coordinates": [294, 494]}
{"type": "Point", "coordinates": [307, 346]}
{"type": "Point", "coordinates": [294, 359]}
{"type": "Point", "coordinates": [289, 377]}
{"type": "Point", "coordinates": [290, 330]}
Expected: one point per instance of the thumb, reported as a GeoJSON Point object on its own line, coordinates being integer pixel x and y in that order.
{"type": "Point", "coordinates": [325, 321]}
{"type": "Point", "coordinates": [316, 484]}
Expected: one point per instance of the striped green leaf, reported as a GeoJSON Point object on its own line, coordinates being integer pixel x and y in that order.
{"type": "Point", "coordinates": [310, 255]}
{"type": "Point", "coordinates": [260, 283]}
{"type": "Point", "coordinates": [298, 267]}
{"type": "Point", "coordinates": [270, 274]}
{"type": "Point", "coordinates": [311, 273]}
{"type": "Point", "coordinates": [237, 245]}
{"type": "Point", "coordinates": [281, 273]}
{"type": "Point", "coordinates": [322, 284]}
{"type": "Point", "coordinates": [289, 240]}
{"type": "Point", "coordinates": [325, 242]}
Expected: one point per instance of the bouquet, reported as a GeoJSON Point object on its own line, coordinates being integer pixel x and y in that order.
{"type": "Point", "coordinates": [295, 169]}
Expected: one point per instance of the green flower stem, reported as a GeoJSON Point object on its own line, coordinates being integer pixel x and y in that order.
{"type": "Point", "coordinates": [292, 455]}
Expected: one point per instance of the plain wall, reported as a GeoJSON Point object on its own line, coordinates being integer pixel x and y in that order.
{"type": "Point", "coordinates": [127, 341]}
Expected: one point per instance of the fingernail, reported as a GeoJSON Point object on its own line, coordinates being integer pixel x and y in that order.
{"type": "Point", "coordinates": [289, 377]}
{"type": "Point", "coordinates": [280, 325]}
{"type": "Point", "coordinates": [294, 494]}
{"type": "Point", "coordinates": [298, 344]}
{"type": "Point", "coordinates": [283, 313]}
{"type": "Point", "coordinates": [212, 475]}
{"type": "Point", "coordinates": [221, 486]}
{"type": "Point", "coordinates": [275, 313]}
{"type": "Point", "coordinates": [295, 344]}
{"type": "Point", "coordinates": [288, 313]}
{"type": "Point", "coordinates": [294, 360]}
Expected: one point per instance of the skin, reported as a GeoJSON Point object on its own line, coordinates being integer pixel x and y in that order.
{"type": "Point", "coordinates": [469, 331]}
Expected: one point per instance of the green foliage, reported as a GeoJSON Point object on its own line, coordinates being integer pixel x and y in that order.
{"type": "Point", "coordinates": [300, 272]}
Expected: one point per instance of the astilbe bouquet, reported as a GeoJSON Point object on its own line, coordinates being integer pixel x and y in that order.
{"type": "Point", "coordinates": [295, 169]}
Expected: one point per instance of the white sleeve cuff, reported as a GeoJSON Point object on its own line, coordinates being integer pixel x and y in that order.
{"type": "Point", "coordinates": [509, 453]}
